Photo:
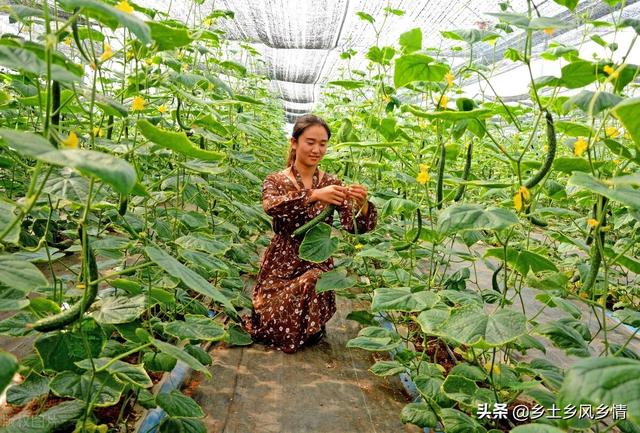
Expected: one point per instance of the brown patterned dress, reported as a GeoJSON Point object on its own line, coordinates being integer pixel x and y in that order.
{"type": "Point", "coordinates": [286, 308]}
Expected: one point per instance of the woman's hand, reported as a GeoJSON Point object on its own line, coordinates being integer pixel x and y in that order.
{"type": "Point", "coordinates": [332, 194]}
{"type": "Point", "coordinates": [358, 194]}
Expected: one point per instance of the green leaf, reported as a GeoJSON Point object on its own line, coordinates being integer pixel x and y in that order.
{"type": "Point", "coordinates": [189, 277]}
{"type": "Point", "coordinates": [181, 355]}
{"type": "Point", "coordinates": [399, 206]}
{"type": "Point", "coordinates": [112, 17]}
{"type": "Point", "coordinates": [578, 74]}
{"type": "Point", "coordinates": [52, 420]}
{"type": "Point", "coordinates": [180, 424]}
{"type": "Point", "coordinates": [8, 367]}
{"type": "Point", "coordinates": [623, 194]}
{"type": "Point", "coordinates": [135, 374]}
{"type": "Point", "coordinates": [60, 351]}
{"type": "Point", "coordinates": [458, 422]}
{"type": "Point", "coordinates": [318, 245]}
{"type": "Point", "coordinates": [100, 388]}
{"type": "Point", "coordinates": [33, 387]}
{"type": "Point", "coordinates": [168, 38]}
{"type": "Point", "coordinates": [459, 217]}
{"type": "Point", "coordinates": [460, 389]}
{"type": "Point", "coordinates": [565, 337]}
{"type": "Point", "coordinates": [417, 67]}
{"type": "Point", "coordinates": [411, 40]}
{"type": "Point", "coordinates": [120, 309]}
{"type": "Point", "coordinates": [523, 261]}
{"type": "Point", "coordinates": [627, 113]}
{"type": "Point", "coordinates": [387, 368]}
{"type": "Point", "coordinates": [537, 428]}
{"type": "Point", "coordinates": [25, 60]}
{"type": "Point", "coordinates": [7, 216]}
{"type": "Point", "coordinates": [334, 280]}
{"type": "Point", "coordinates": [448, 114]}
{"type": "Point", "coordinates": [569, 4]}
{"type": "Point", "coordinates": [605, 381]}
{"type": "Point", "coordinates": [628, 316]}
{"type": "Point", "coordinates": [380, 55]}
{"type": "Point", "coordinates": [401, 299]}
{"type": "Point", "coordinates": [158, 361]}
{"type": "Point", "coordinates": [568, 164]}
{"type": "Point", "coordinates": [195, 328]}
{"type": "Point", "coordinates": [573, 129]}
{"type": "Point", "coordinates": [475, 327]}
{"type": "Point", "coordinates": [365, 17]}
{"type": "Point", "coordinates": [203, 242]}
{"type": "Point", "coordinates": [21, 275]}
{"type": "Point", "coordinates": [199, 353]}
{"type": "Point", "coordinates": [177, 404]}
{"type": "Point", "coordinates": [592, 103]}
{"type": "Point", "coordinates": [419, 414]}
{"type": "Point", "coordinates": [347, 84]}
{"type": "Point", "coordinates": [375, 339]}
{"type": "Point", "coordinates": [176, 141]}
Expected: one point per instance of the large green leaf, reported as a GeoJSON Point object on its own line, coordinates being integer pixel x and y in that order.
{"type": "Point", "coordinates": [172, 424]}
{"type": "Point", "coordinates": [7, 216]}
{"type": "Point", "coordinates": [195, 328]}
{"type": "Point", "coordinates": [112, 17]}
{"type": "Point", "coordinates": [459, 217]}
{"type": "Point", "coordinates": [177, 404]}
{"type": "Point", "coordinates": [420, 414]}
{"type": "Point", "coordinates": [591, 102]}
{"type": "Point", "coordinates": [318, 245]}
{"type": "Point", "coordinates": [168, 38]}
{"type": "Point", "coordinates": [375, 339]}
{"type": "Point", "coordinates": [472, 326]}
{"type": "Point", "coordinates": [60, 350]}
{"type": "Point", "coordinates": [120, 309]}
{"type": "Point", "coordinates": [399, 206]}
{"type": "Point", "coordinates": [100, 388]}
{"type": "Point", "coordinates": [134, 374]}
{"type": "Point", "coordinates": [8, 366]}
{"type": "Point", "coordinates": [623, 194]}
{"type": "Point", "coordinates": [578, 74]}
{"type": "Point", "coordinates": [25, 60]}
{"type": "Point", "coordinates": [34, 386]}
{"type": "Point", "coordinates": [387, 368]}
{"type": "Point", "coordinates": [176, 141]}
{"type": "Point", "coordinates": [21, 275]}
{"type": "Point", "coordinates": [180, 355]}
{"type": "Point", "coordinates": [417, 67]}
{"type": "Point", "coordinates": [401, 299]}
{"type": "Point", "coordinates": [334, 280]}
{"type": "Point", "coordinates": [565, 337]}
{"type": "Point", "coordinates": [459, 422]}
{"type": "Point", "coordinates": [627, 113]}
{"type": "Point", "coordinates": [523, 261]}
{"type": "Point", "coordinates": [49, 421]}
{"type": "Point", "coordinates": [190, 278]}
{"type": "Point", "coordinates": [411, 40]}
{"type": "Point", "coordinates": [203, 242]}
{"type": "Point", "coordinates": [609, 381]}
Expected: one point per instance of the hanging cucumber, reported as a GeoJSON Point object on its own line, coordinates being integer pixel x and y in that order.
{"type": "Point", "coordinates": [179, 118]}
{"type": "Point", "coordinates": [110, 127]}
{"type": "Point", "coordinates": [328, 210]}
{"type": "Point", "coordinates": [76, 37]}
{"type": "Point", "coordinates": [439, 185]}
{"type": "Point", "coordinates": [596, 257]}
{"type": "Point", "coordinates": [466, 171]}
{"type": "Point", "coordinates": [124, 201]}
{"type": "Point", "coordinates": [551, 154]}
{"type": "Point", "coordinates": [64, 318]}
{"type": "Point", "coordinates": [494, 278]}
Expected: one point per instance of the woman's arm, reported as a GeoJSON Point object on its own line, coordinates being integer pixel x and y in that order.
{"type": "Point", "coordinates": [274, 202]}
{"type": "Point", "coordinates": [366, 212]}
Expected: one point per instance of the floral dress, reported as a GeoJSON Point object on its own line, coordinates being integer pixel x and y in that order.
{"type": "Point", "coordinates": [286, 308]}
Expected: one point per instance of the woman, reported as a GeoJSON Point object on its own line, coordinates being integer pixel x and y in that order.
{"type": "Point", "coordinates": [287, 311]}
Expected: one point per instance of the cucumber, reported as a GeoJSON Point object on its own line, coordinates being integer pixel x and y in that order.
{"type": "Point", "coordinates": [328, 210]}
{"type": "Point", "coordinates": [537, 221]}
{"type": "Point", "coordinates": [440, 184]}
{"type": "Point", "coordinates": [122, 208]}
{"type": "Point", "coordinates": [179, 118]}
{"type": "Point", "coordinates": [110, 127]}
{"type": "Point", "coordinates": [416, 237]}
{"type": "Point", "coordinates": [596, 257]}
{"type": "Point", "coordinates": [494, 278]}
{"type": "Point", "coordinates": [466, 172]}
{"type": "Point", "coordinates": [64, 318]}
{"type": "Point", "coordinates": [76, 37]}
{"type": "Point", "coordinates": [551, 154]}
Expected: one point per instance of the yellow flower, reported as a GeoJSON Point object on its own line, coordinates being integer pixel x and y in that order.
{"type": "Point", "coordinates": [148, 61]}
{"type": "Point", "coordinates": [424, 167]}
{"type": "Point", "coordinates": [611, 71]}
{"type": "Point", "coordinates": [496, 367]}
{"type": "Point", "coordinates": [93, 66]}
{"type": "Point", "coordinates": [97, 131]}
{"type": "Point", "coordinates": [162, 109]}
{"type": "Point", "coordinates": [71, 141]}
{"type": "Point", "coordinates": [423, 177]}
{"type": "Point", "coordinates": [521, 198]}
{"type": "Point", "coordinates": [611, 131]}
{"type": "Point", "coordinates": [580, 146]}
{"type": "Point", "coordinates": [548, 31]}
{"type": "Point", "coordinates": [137, 104]}
{"type": "Point", "coordinates": [449, 77]}
{"type": "Point", "coordinates": [130, 54]}
{"type": "Point", "coordinates": [592, 222]}
{"type": "Point", "coordinates": [207, 22]}
{"type": "Point", "coordinates": [67, 41]}
{"type": "Point", "coordinates": [492, 41]}
{"type": "Point", "coordinates": [185, 67]}
{"type": "Point", "coordinates": [125, 7]}
{"type": "Point", "coordinates": [106, 53]}
{"type": "Point", "coordinates": [358, 246]}
{"type": "Point", "coordinates": [443, 101]}
{"type": "Point", "coordinates": [627, 135]}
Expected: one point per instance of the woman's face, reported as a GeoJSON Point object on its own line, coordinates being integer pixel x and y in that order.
{"type": "Point", "coordinates": [311, 146]}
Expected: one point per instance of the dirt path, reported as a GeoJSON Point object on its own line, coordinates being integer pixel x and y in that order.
{"type": "Point", "coordinates": [324, 388]}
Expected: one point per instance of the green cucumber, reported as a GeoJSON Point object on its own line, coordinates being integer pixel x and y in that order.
{"type": "Point", "coordinates": [76, 37]}
{"type": "Point", "coordinates": [494, 278]}
{"type": "Point", "coordinates": [328, 210]}
{"type": "Point", "coordinates": [64, 318]}
{"type": "Point", "coordinates": [440, 184]}
{"type": "Point", "coordinates": [124, 201]}
{"type": "Point", "coordinates": [416, 237]}
{"type": "Point", "coordinates": [596, 258]}
{"type": "Point", "coordinates": [466, 172]}
{"type": "Point", "coordinates": [551, 154]}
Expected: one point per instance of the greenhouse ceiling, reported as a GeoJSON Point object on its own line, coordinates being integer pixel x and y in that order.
{"type": "Point", "coordinates": [301, 41]}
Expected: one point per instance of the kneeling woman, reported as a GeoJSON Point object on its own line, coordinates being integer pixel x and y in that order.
{"type": "Point", "coordinates": [287, 311]}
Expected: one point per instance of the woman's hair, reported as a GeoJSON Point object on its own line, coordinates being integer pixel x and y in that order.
{"type": "Point", "coordinates": [301, 124]}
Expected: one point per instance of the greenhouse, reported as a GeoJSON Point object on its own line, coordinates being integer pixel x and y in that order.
{"type": "Point", "coordinates": [339, 216]}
